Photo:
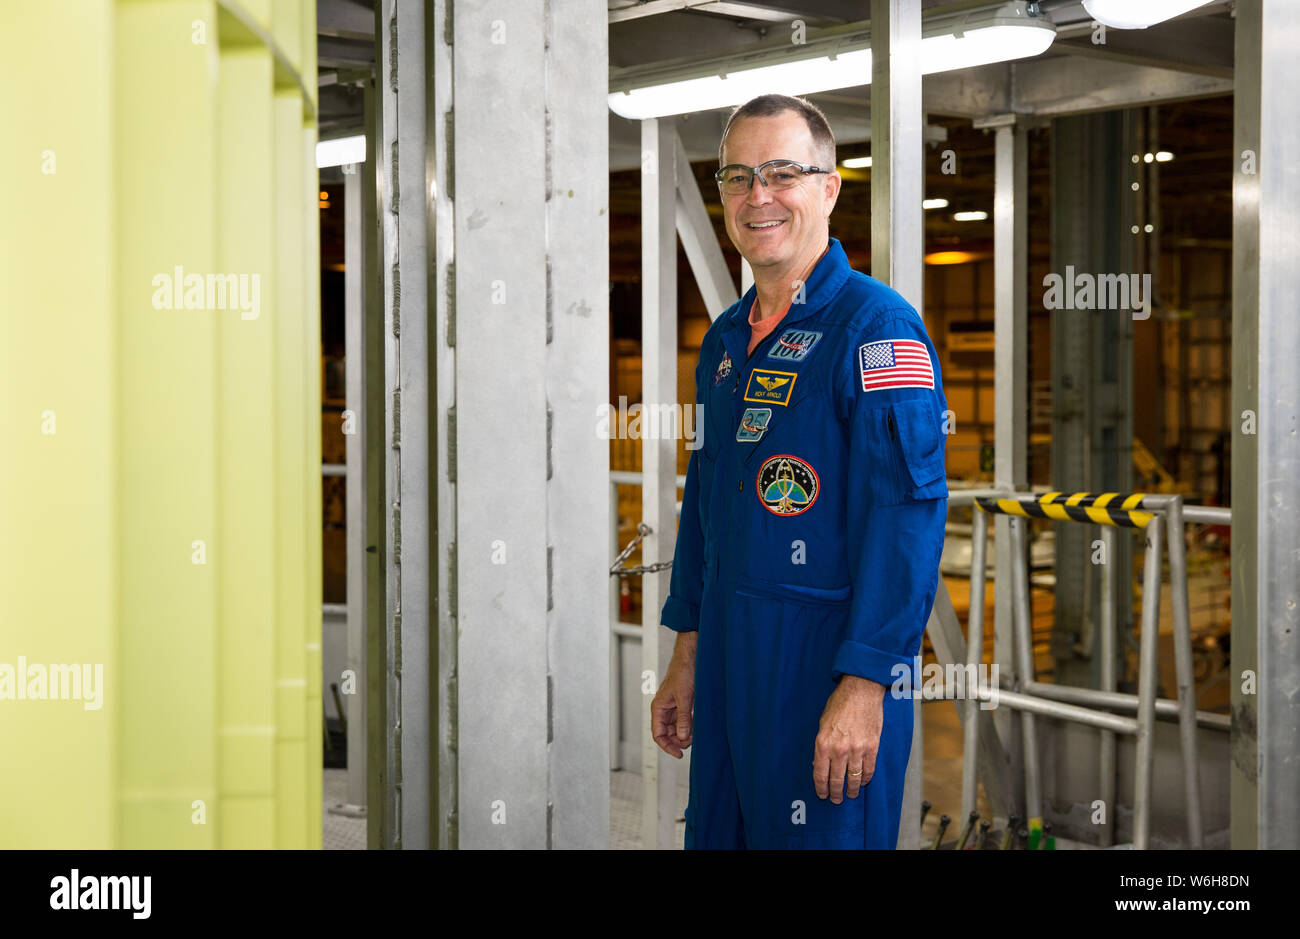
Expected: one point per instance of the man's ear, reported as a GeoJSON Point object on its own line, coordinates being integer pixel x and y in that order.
{"type": "Point", "coordinates": [832, 191]}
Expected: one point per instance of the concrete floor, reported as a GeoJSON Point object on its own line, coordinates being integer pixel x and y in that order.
{"type": "Point", "coordinates": [941, 782]}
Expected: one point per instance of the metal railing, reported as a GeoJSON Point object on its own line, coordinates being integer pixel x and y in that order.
{"type": "Point", "coordinates": [1151, 514]}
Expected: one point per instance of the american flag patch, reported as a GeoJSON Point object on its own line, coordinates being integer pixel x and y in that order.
{"type": "Point", "coordinates": [895, 363]}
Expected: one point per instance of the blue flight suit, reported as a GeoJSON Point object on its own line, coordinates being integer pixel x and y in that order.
{"type": "Point", "coordinates": [808, 548]}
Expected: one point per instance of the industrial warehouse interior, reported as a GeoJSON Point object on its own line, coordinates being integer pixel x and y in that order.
{"type": "Point", "coordinates": [354, 394]}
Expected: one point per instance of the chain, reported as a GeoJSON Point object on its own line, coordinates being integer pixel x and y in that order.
{"type": "Point", "coordinates": [642, 530]}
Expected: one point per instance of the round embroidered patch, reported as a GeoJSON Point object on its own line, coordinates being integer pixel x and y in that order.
{"type": "Point", "coordinates": [787, 485]}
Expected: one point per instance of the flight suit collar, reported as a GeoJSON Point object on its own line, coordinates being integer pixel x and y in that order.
{"type": "Point", "coordinates": [828, 276]}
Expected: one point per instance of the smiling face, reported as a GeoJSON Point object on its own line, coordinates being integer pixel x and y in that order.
{"type": "Point", "coordinates": [801, 213]}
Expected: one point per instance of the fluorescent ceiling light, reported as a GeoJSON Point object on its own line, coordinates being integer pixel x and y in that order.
{"type": "Point", "coordinates": [1164, 156]}
{"type": "Point", "coordinates": [723, 91]}
{"type": "Point", "coordinates": [1125, 14]}
{"type": "Point", "coordinates": [997, 33]}
{"type": "Point", "coordinates": [969, 216]}
{"type": "Point", "coordinates": [341, 151]}
{"type": "Point", "coordinates": [856, 163]}
{"type": "Point", "coordinates": [934, 203]}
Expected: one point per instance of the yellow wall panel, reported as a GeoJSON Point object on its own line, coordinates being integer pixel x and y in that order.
{"type": "Point", "coordinates": [247, 419]}
{"type": "Point", "coordinates": [58, 567]}
{"type": "Point", "coordinates": [291, 460]}
{"type": "Point", "coordinates": [286, 27]}
{"type": "Point", "coordinates": [169, 547]}
{"type": "Point", "coordinates": [159, 343]}
{"type": "Point", "coordinates": [311, 473]}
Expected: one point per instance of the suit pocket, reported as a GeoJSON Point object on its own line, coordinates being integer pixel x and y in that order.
{"type": "Point", "coordinates": [913, 443]}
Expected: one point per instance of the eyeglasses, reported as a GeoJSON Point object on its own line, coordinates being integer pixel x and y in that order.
{"type": "Point", "coordinates": [736, 178]}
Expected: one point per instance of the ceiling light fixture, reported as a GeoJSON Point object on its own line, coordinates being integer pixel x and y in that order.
{"type": "Point", "coordinates": [839, 58]}
{"type": "Point", "coordinates": [1125, 14]}
{"type": "Point", "coordinates": [341, 151]}
{"type": "Point", "coordinates": [934, 203]}
{"type": "Point", "coordinates": [856, 163]}
{"type": "Point", "coordinates": [969, 216]}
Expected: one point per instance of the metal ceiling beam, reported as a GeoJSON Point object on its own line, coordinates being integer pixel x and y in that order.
{"type": "Point", "coordinates": [1061, 85]}
{"type": "Point", "coordinates": [1201, 46]}
{"type": "Point", "coordinates": [748, 11]}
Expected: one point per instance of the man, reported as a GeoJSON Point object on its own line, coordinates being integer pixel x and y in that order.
{"type": "Point", "coordinates": [808, 549]}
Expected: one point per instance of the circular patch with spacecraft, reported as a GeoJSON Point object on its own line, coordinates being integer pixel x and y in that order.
{"type": "Point", "coordinates": [787, 485]}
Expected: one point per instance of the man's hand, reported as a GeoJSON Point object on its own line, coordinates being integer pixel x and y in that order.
{"type": "Point", "coordinates": [670, 711]}
{"type": "Point", "coordinates": [848, 738]}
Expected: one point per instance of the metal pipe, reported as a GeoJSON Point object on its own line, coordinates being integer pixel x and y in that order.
{"type": "Point", "coordinates": [624, 631]}
{"type": "Point", "coordinates": [974, 654]}
{"type": "Point", "coordinates": [1207, 515]}
{"type": "Point", "coordinates": [1029, 704]}
{"type": "Point", "coordinates": [1146, 716]}
{"type": "Point", "coordinates": [966, 830]}
{"type": "Point", "coordinates": [615, 646]}
{"type": "Point", "coordinates": [1166, 708]}
{"type": "Point", "coordinates": [633, 478]}
{"type": "Point", "coordinates": [1183, 667]}
{"type": "Point", "coordinates": [1106, 755]}
{"type": "Point", "coordinates": [960, 497]}
{"type": "Point", "coordinates": [1023, 626]}
{"type": "Point", "coordinates": [1009, 832]}
{"type": "Point", "coordinates": [938, 835]}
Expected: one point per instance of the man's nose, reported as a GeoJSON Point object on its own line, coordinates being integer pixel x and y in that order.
{"type": "Point", "coordinates": [759, 194]}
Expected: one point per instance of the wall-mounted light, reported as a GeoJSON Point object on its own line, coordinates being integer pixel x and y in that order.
{"type": "Point", "coordinates": [999, 32]}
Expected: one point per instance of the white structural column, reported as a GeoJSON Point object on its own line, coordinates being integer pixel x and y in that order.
{"type": "Point", "coordinates": [658, 456]}
{"type": "Point", "coordinates": [528, 170]}
{"type": "Point", "coordinates": [441, 217]}
{"type": "Point", "coordinates": [1266, 433]}
{"type": "Point", "coordinates": [577, 221]}
{"type": "Point", "coordinates": [500, 432]}
{"type": "Point", "coordinates": [897, 228]}
{"type": "Point", "coordinates": [1011, 415]}
{"type": "Point", "coordinates": [404, 234]}
{"type": "Point", "coordinates": [354, 311]}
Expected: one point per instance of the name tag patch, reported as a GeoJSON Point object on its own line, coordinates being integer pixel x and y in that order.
{"type": "Point", "coordinates": [794, 345]}
{"type": "Point", "coordinates": [770, 387]}
{"type": "Point", "coordinates": [787, 485]}
{"type": "Point", "coordinates": [753, 424]}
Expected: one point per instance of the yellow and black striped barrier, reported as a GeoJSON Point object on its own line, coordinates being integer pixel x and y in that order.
{"type": "Point", "coordinates": [1106, 508]}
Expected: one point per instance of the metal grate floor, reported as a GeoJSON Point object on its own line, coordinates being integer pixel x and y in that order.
{"type": "Point", "coordinates": [625, 813]}
{"type": "Point", "coordinates": [340, 833]}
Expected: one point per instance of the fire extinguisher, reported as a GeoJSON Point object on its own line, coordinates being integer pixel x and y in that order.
{"type": "Point", "coordinates": [624, 596]}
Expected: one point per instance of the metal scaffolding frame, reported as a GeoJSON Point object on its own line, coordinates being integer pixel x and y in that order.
{"type": "Point", "coordinates": [1043, 90]}
{"type": "Point", "coordinates": [1032, 697]}
{"type": "Point", "coordinates": [1265, 770]}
